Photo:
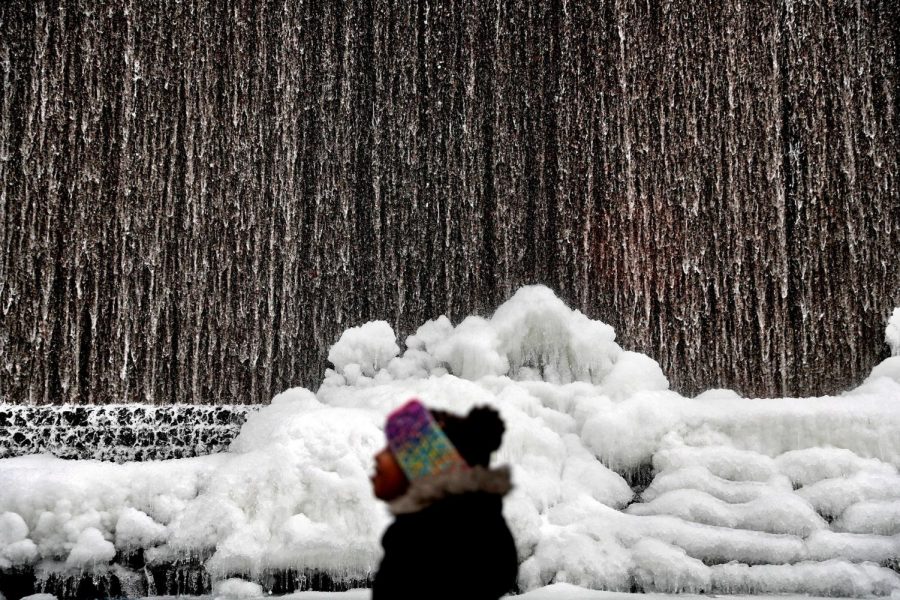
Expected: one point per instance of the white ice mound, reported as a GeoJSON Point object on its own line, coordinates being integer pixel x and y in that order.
{"type": "Point", "coordinates": [137, 529]}
{"type": "Point", "coordinates": [892, 332]}
{"type": "Point", "coordinates": [295, 493]}
{"type": "Point", "coordinates": [91, 549]}
{"type": "Point", "coordinates": [662, 567]}
{"type": "Point", "coordinates": [775, 513]}
{"type": "Point", "coordinates": [889, 368]}
{"type": "Point", "coordinates": [533, 336]}
{"type": "Point", "coordinates": [698, 477]}
{"type": "Point", "coordinates": [236, 589]}
{"type": "Point", "coordinates": [15, 547]}
{"type": "Point", "coordinates": [12, 528]}
{"type": "Point", "coordinates": [874, 517]}
{"type": "Point", "coordinates": [539, 335]}
{"type": "Point", "coordinates": [363, 351]}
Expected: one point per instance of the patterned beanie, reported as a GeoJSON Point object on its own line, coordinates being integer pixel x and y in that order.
{"type": "Point", "coordinates": [419, 444]}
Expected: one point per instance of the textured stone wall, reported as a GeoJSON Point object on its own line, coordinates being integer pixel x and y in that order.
{"type": "Point", "coordinates": [197, 197]}
{"type": "Point", "coordinates": [119, 432]}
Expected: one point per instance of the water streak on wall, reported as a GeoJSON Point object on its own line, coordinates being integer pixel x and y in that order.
{"type": "Point", "coordinates": [198, 197]}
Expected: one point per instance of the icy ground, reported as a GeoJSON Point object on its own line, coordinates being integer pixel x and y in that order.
{"type": "Point", "coordinates": [748, 496]}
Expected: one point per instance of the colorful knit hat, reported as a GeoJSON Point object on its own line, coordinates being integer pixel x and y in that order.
{"type": "Point", "coordinates": [419, 444]}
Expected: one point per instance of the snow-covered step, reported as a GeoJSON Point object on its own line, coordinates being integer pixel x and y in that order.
{"type": "Point", "coordinates": [724, 520]}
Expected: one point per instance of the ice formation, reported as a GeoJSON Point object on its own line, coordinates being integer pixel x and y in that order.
{"type": "Point", "coordinates": [119, 432]}
{"type": "Point", "coordinates": [892, 332]}
{"type": "Point", "coordinates": [236, 589]}
{"type": "Point", "coordinates": [787, 495]}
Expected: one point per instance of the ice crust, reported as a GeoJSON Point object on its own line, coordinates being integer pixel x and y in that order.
{"type": "Point", "coordinates": [787, 495]}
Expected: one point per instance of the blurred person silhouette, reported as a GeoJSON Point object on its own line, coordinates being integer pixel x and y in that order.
{"type": "Point", "coordinates": [449, 538]}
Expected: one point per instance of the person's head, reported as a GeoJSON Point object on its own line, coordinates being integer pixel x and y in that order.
{"type": "Point", "coordinates": [423, 443]}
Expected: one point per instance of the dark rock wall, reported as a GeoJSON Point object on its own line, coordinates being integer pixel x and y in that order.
{"type": "Point", "coordinates": [119, 433]}
{"type": "Point", "coordinates": [196, 197]}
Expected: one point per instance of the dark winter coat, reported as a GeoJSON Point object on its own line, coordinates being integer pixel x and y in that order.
{"type": "Point", "coordinates": [449, 540]}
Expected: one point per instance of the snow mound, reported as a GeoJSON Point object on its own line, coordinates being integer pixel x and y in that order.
{"type": "Point", "coordinates": [775, 513]}
{"type": "Point", "coordinates": [745, 495]}
{"type": "Point", "coordinates": [90, 549]}
{"type": "Point", "coordinates": [565, 555]}
{"type": "Point", "coordinates": [136, 529]}
{"type": "Point", "coordinates": [532, 336]}
{"type": "Point", "coordinates": [831, 497]}
{"type": "Point", "coordinates": [888, 369]}
{"type": "Point", "coordinates": [15, 547]}
{"type": "Point", "coordinates": [724, 462]}
{"type": "Point", "coordinates": [830, 578]}
{"type": "Point", "coordinates": [699, 478]}
{"type": "Point", "coordinates": [363, 351]}
{"type": "Point", "coordinates": [717, 394]}
{"type": "Point", "coordinates": [892, 332]}
{"type": "Point", "coordinates": [810, 465]}
{"type": "Point", "coordinates": [876, 517]}
{"type": "Point", "coordinates": [236, 589]}
{"type": "Point", "coordinates": [661, 567]}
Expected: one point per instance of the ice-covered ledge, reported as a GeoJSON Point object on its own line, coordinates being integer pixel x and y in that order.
{"type": "Point", "coordinates": [119, 432]}
{"type": "Point", "coordinates": [129, 577]}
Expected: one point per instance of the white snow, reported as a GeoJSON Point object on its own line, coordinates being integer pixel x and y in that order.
{"type": "Point", "coordinates": [90, 549]}
{"type": "Point", "coordinates": [810, 465]}
{"type": "Point", "coordinates": [829, 578]}
{"type": "Point", "coordinates": [774, 513]}
{"type": "Point", "coordinates": [892, 332]}
{"type": "Point", "coordinates": [12, 528]}
{"type": "Point", "coordinates": [780, 496]}
{"type": "Point", "coordinates": [236, 589]}
{"type": "Point", "coordinates": [666, 568]}
{"type": "Point", "coordinates": [723, 461]}
{"type": "Point", "coordinates": [717, 394]}
{"type": "Point", "coordinates": [136, 529]}
{"type": "Point", "coordinates": [699, 478]}
{"type": "Point", "coordinates": [363, 351]}
{"type": "Point", "coordinates": [831, 497]}
{"type": "Point", "coordinates": [888, 369]}
{"type": "Point", "coordinates": [876, 517]}
{"type": "Point", "coordinates": [825, 545]}
{"type": "Point", "coordinates": [15, 547]}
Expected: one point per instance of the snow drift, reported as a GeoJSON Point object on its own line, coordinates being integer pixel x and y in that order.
{"type": "Point", "coordinates": [747, 495]}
